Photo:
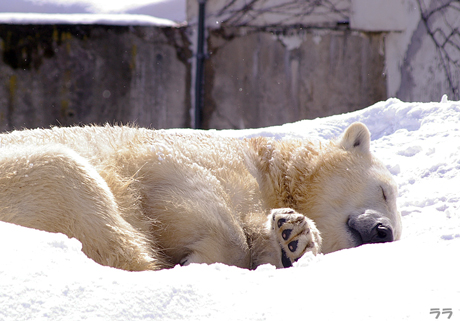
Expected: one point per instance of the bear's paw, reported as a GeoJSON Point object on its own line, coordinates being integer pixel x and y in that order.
{"type": "Point", "coordinates": [295, 234]}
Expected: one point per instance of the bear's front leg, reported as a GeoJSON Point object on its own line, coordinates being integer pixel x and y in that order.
{"type": "Point", "coordinates": [294, 234]}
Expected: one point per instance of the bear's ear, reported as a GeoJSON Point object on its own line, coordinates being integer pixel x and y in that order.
{"type": "Point", "coordinates": [356, 137]}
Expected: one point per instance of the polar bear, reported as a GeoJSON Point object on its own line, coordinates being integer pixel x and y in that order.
{"type": "Point", "coordinates": [140, 199]}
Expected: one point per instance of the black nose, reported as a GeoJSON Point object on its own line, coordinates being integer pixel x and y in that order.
{"type": "Point", "coordinates": [371, 227]}
{"type": "Point", "coordinates": [379, 234]}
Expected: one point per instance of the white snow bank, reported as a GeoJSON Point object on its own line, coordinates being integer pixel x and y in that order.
{"type": "Point", "coordinates": [101, 19]}
{"type": "Point", "coordinates": [45, 276]}
{"type": "Point", "coordinates": [174, 10]}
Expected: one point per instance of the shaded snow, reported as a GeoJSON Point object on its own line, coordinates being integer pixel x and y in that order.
{"type": "Point", "coordinates": [45, 276]}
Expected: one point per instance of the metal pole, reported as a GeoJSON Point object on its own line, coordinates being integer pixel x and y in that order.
{"type": "Point", "coordinates": [200, 56]}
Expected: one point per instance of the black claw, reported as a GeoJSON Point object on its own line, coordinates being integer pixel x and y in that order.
{"type": "Point", "coordinates": [285, 260]}
{"type": "Point", "coordinates": [293, 246]}
{"type": "Point", "coordinates": [281, 221]}
{"type": "Point", "coordinates": [286, 234]}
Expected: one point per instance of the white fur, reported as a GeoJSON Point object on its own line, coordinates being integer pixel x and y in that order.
{"type": "Point", "coordinates": [141, 199]}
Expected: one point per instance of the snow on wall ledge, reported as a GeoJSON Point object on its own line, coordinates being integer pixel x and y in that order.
{"type": "Point", "coordinates": [93, 19]}
{"type": "Point", "coordinates": [45, 276]}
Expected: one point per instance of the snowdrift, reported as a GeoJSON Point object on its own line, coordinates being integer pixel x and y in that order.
{"type": "Point", "coordinates": [84, 19]}
{"type": "Point", "coordinates": [45, 276]}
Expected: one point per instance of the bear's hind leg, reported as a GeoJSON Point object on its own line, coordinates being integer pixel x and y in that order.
{"type": "Point", "coordinates": [54, 189]}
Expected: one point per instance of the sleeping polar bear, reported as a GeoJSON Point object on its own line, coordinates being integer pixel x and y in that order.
{"type": "Point", "coordinates": [140, 199]}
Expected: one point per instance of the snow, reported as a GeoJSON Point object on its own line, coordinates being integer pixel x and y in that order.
{"type": "Point", "coordinates": [113, 12]}
{"type": "Point", "coordinates": [102, 19]}
{"type": "Point", "coordinates": [84, 19]}
{"type": "Point", "coordinates": [45, 276]}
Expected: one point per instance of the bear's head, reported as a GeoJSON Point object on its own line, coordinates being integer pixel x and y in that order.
{"type": "Point", "coordinates": [352, 195]}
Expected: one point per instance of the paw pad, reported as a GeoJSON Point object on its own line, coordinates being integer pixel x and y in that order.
{"type": "Point", "coordinates": [293, 245]}
{"type": "Point", "coordinates": [286, 234]}
{"type": "Point", "coordinates": [281, 221]}
{"type": "Point", "coordinates": [295, 234]}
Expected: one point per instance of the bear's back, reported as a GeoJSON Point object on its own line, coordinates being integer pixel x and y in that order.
{"type": "Point", "coordinates": [98, 143]}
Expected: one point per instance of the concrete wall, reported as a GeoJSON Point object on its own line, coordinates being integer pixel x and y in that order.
{"type": "Point", "coordinates": [422, 45]}
{"type": "Point", "coordinates": [265, 67]}
{"type": "Point", "coordinates": [256, 79]}
{"type": "Point", "coordinates": [421, 39]}
{"type": "Point", "coordinates": [277, 61]}
{"type": "Point", "coordinates": [262, 13]}
{"type": "Point", "coordinates": [423, 60]}
{"type": "Point", "coordinates": [70, 74]}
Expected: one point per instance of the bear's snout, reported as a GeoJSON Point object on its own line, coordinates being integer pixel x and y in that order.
{"type": "Point", "coordinates": [370, 227]}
